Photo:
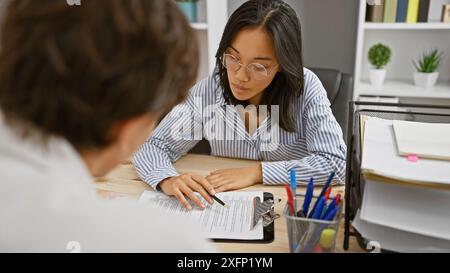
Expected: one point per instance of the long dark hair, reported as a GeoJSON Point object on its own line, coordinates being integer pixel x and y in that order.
{"type": "Point", "coordinates": [283, 26]}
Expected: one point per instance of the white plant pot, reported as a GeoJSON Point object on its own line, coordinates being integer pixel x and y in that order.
{"type": "Point", "coordinates": [426, 80]}
{"type": "Point", "coordinates": [377, 77]}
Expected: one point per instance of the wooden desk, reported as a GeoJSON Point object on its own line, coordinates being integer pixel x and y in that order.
{"type": "Point", "coordinates": [123, 182]}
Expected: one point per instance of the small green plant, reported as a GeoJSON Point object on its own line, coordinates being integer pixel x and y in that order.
{"type": "Point", "coordinates": [428, 62]}
{"type": "Point", "coordinates": [379, 55]}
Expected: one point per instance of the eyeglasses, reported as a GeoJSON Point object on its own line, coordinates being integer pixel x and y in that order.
{"type": "Point", "coordinates": [256, 70]}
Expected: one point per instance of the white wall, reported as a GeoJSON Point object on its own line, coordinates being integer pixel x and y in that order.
{"type": "Point", "coordinates": [329, 33]}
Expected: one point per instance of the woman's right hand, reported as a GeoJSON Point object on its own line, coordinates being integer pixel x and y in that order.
{"type": "Point", "coordinates": [185, 185]}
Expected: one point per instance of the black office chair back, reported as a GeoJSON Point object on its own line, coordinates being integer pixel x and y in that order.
{"type": "Point", "coordinates": [339, 87]}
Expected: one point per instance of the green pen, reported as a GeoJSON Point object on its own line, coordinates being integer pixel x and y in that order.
{"type": "Point", "coordinates": [324, 211]}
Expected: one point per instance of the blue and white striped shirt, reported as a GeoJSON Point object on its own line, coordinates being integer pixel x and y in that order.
{"type": "Point", "coordinates": [315, 149]}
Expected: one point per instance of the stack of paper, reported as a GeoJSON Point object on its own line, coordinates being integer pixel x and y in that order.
{"type": "Point", "coordinates": [382, 160]}
{"type": "Point", "coordinates": [406, 205]}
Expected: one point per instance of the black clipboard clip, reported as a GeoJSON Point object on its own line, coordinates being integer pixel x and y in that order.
{"type": "Point", "coordinates": [264, 210]}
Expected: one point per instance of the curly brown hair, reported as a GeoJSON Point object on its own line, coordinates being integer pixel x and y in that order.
{"type": "Point", "coordinates": [73, 71]}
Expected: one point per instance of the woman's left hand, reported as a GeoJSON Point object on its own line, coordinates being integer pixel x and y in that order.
{"type": "Point", "coordinates": [234, 179]}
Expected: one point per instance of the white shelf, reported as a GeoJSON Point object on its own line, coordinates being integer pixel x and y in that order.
{"type": "Point", "coordinates": [412, 26]}
{"type": "Point", "coordinates": [405, 89]}
{"type": "Point", "coordinates": [407, 42]}
{"type": "Point", "coordinates": [199, 26]}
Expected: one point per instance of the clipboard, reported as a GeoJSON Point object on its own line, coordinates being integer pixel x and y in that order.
{"type": "Point", "coordinates": [262, 211]}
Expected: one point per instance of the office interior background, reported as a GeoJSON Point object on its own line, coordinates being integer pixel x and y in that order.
{"type": "Point", "coordinates": [336, 35]}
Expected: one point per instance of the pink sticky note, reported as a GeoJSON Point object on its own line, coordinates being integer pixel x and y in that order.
{"type": "Point", "coordinates": [413, 158]}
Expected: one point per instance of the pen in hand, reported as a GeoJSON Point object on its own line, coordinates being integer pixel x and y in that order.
{"type": "Point", "coordinates": [218, 200]}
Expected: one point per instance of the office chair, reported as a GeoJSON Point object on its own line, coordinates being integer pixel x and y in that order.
{"type": "Point", "coordinates": [339, 87]}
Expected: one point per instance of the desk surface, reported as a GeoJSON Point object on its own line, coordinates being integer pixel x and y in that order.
{"type": "Point", "coordinates": [123, 182]}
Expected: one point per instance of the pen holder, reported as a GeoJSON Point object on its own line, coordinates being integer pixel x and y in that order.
{"type": "Point", "coordinates": [307, 235]}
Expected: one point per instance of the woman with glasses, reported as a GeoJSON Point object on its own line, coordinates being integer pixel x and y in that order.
{"type": "Point", "coordinates": [259, 104]}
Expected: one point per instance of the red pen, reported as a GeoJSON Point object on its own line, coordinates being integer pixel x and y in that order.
{"type": "Point", "coordinates": [327, 193]}
{"type": "Point", "coordinates": [338, 199]}
{"type": "Point", "coordinates": [317, 249]}
{"type": "Point", "coordinates": [290, 200]}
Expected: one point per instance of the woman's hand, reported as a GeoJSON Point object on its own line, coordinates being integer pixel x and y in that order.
{"type": "Point", "coordinates": [186, 185]}
{"type": "Point", "coordinates": [234, 179]}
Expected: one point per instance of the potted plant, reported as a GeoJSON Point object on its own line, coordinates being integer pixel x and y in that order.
{"type": "Point", "coordinates": [379, 57]}
{"type": "Point", "coordinates": [189, 8]}
{"type": "Point", "coordinates": [426, 66]}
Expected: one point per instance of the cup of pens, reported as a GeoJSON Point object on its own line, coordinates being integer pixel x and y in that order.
{"type": "Point", "coordinates": [313, 221]}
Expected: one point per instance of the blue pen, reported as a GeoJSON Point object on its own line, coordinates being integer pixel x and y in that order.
{"type": "Point", "coordinates": [315, 215]}
{"type": "Point", "coordinates": [294, 188]}
{"type": "Point", "coordinates": [319, 207]}
{"type": "Point", "coordinates": [330, 207]}
{"type": "Point", "coordinates": [332, 214]}
{"type": "Point", "coordinates": [327, 184]}
{"type": "Point", "coordinates": [308, 196]}
{"type": "Point", "coordinates": [324, 189]}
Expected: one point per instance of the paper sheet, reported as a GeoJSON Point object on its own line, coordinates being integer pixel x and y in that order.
{"type": "Point", "coordinates": [427, 140]}
{"type": "Point", "coordinates": [217, 221]}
